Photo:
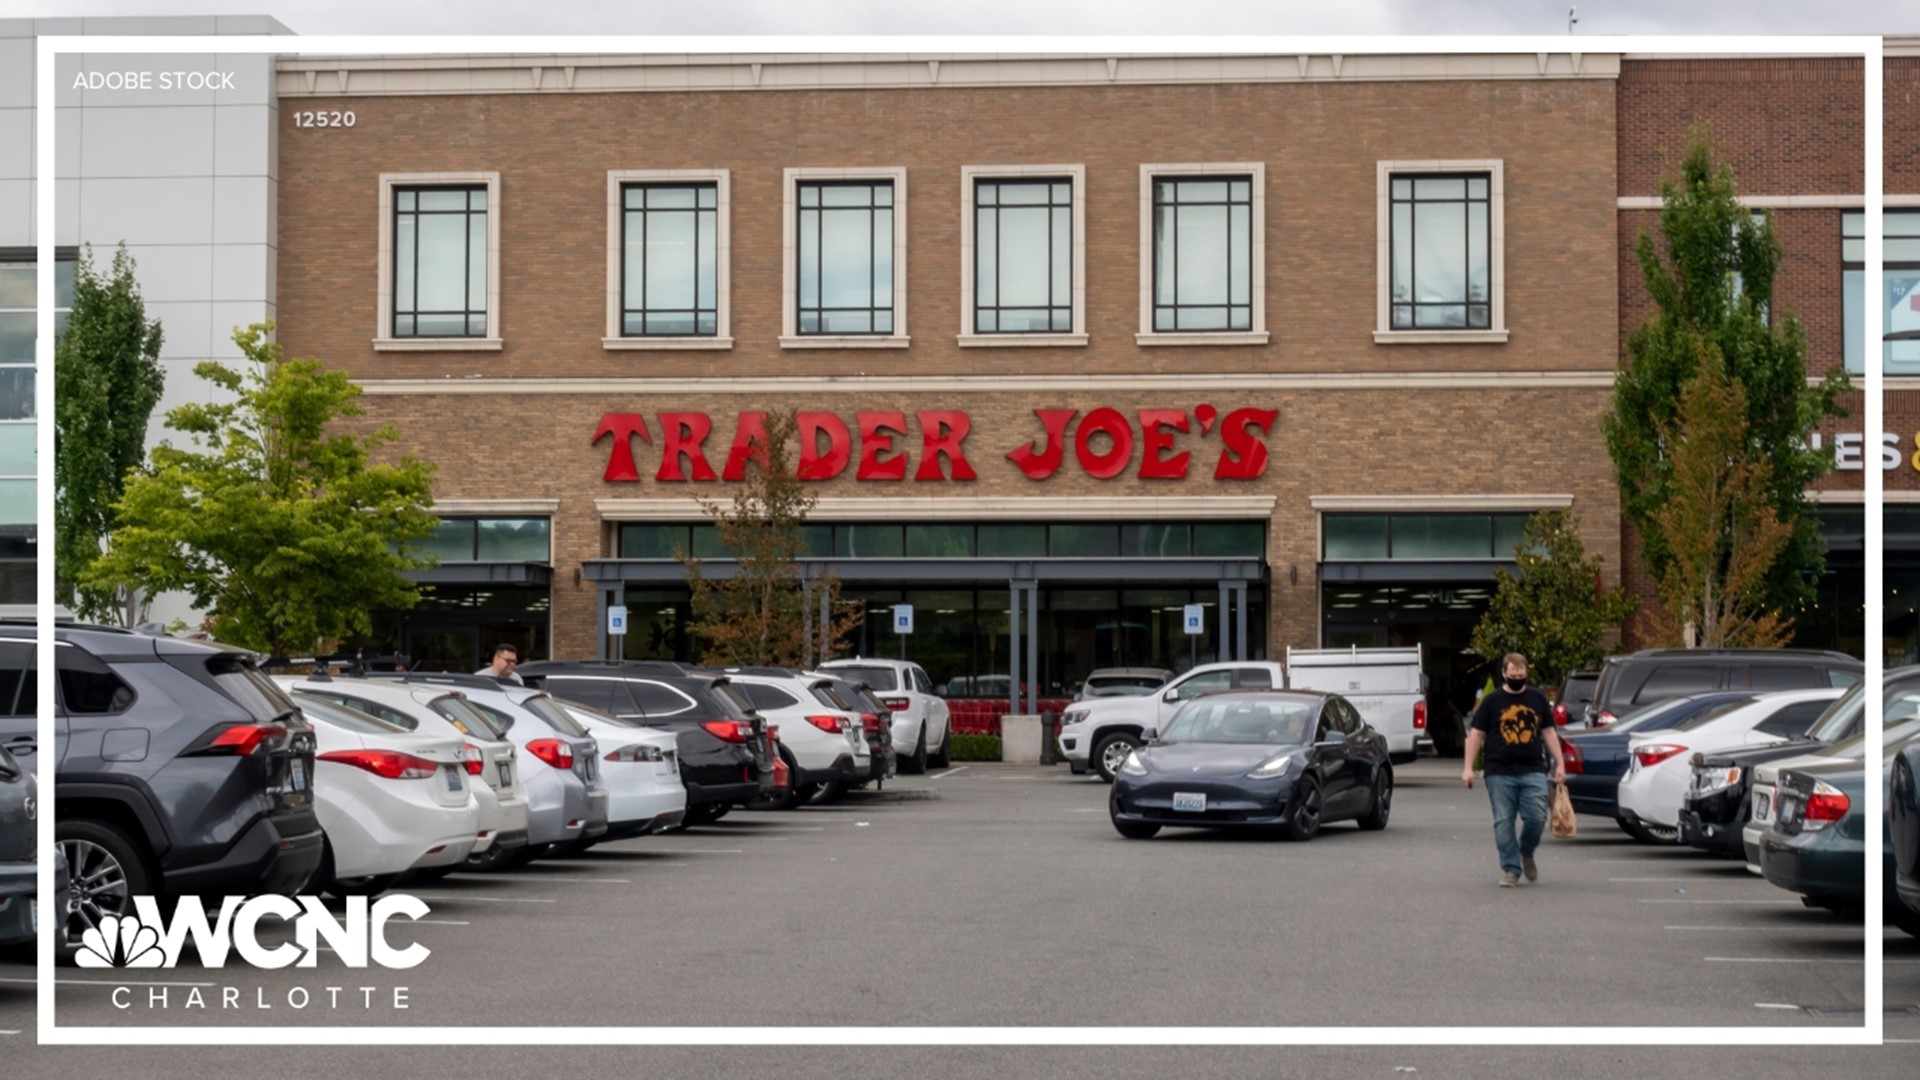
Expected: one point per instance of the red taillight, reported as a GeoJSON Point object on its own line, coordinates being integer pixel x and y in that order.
{"type": "Point", "coordinates": [1575, 763]}
{"type": "Point", "coordinates": [387, 764]}
{"type": "Point", "coordinates": [870, 723]}
{"type": "Point", "coordinates": [1419, 716]}
{"type": "Point", "coordinates": [828, 724]}
{"type": "Point", "coordinates": [471, 757]}
{"type": "Point", "coordinates": [553, 752]}
{"type": "Point", "coordinates": [781, 778]}
{"type": "Point", "coordinates": [733, 731]}
{"type": "Point", "coordinates": [1603, 719]}
{"type": "Point", "coordinates": [243, 739]}
{"type": "Point", "coordinates": [1559, 714]}
{"type": "Point", "coordinates": [1827, 804]}
{"type": "Point", "coordinates": [897, 704]}
{"type": "Point", "coordinates": [1655, 753]}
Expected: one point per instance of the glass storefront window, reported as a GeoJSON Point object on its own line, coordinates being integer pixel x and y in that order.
{"type": "Point", "coordinates": [514, 540]}
{"type": "Point", "coordinates": [1083, 541]}
{"type": "Point", "coordinates": [1002, 541]}
{"type": "Point", "coordinates": [939, 541]}
{"type": "Point", "coordinates": [706, 543]}
{"type": "Point", "coordinates": [1442, 536]}
{"type": "Point", "coordinates": [1230, 539]}
{"type": "Point", "coordinates": [868, 541]}
{"type": "Point", "coordinates": [1156, 541]}
{"type": "Point", "coordinates": [1355, 536]}
{"type": "Point", "coordinates": [1508, 531]}
{"type": "Point", "coordinates": [452, 541]}
{"type": "Point", "coordinates": [652, 541]}
{"type": "Point", "coordinates": [816, 541]}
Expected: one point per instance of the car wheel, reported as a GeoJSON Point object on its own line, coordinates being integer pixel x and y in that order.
{"type": "Point", "coordinates": [831, 792]}
{"type": "Point", "coordinates": [1381, 806]}
{"type": "Point", "coordinates": [916, 764]}
{"type": "Point", "coordinates": [107, 870]}
{"type": "Point", "coordinates": [491, 859]}
{"type": "Point", "coordinates": [1904, 917]}
{"type": "Point", "coordinates": [371, 885]}
{"type": "Point", "coordinates": [1111, 752]}
{"type": "Point", "coordinates": [1305, 824]}
{"type": "Point", "coordinates": [433, 873]}
{"type": "Point", "coordinates": [1136, 831]}
{"type": "Point", "coordinates": [943, 758]}
{"type": "Point", "coordinates": [1629, 828]}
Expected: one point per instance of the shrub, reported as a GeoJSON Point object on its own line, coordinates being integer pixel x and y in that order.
{"type": "Point", "coordinates": [975, 747]}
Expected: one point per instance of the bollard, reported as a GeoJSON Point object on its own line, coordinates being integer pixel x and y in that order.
{"type": "Point", "coordinates": [1049, 739]}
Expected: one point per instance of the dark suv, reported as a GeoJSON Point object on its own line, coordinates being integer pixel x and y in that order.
{"type": "Point", "coordinates": [1655, 675]}
{"type": "Point", "coordinates": [726, 758]}
{"type": "Point", "coordinates": [180, 768]}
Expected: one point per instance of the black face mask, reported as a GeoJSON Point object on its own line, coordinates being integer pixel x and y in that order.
{"type": "Point", "coordinates": [1516, 685]}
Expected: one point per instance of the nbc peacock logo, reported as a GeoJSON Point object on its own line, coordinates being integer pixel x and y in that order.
{"type": "Point", "coordinates": [120, 941]}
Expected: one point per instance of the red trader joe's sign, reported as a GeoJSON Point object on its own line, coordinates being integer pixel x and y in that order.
{"type": "Point", "coordinates": [1155, 444]}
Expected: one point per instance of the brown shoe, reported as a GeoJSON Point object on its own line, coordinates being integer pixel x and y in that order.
{"type": "Point", "coordinates": [1528, 868]}
{"type": "Point", "coordinates": [1508, 881]}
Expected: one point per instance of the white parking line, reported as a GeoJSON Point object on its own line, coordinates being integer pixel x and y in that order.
{"type": "Point", "coordinates": [1771, 1005]}
{"type": "Point", "coordinates": [949, 772]}
{"type": "Point", "coordinates": [8, 1032]}
{"type": "Point", "coordinates": [709, 850]}
{"type": "Point", "coordinates": [559, 879]}
{"type": "Point", "coordinates": [489, 899]}
{"type": "Point", "coordinates": [1704, 881]}
{"type": "Point", "coordinates": [1672, 900]}
{"type": "Point", "coordinates": [1792, 960]}
{"type": "Point", "coordinates": [1733, 929]}
{"type": "Point", "coordinates": [441, 922]}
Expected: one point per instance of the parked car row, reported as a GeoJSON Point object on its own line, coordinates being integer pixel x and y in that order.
{"type": "Point", "coordinates": [183, 768]}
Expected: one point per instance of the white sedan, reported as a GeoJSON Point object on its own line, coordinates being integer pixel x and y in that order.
{"type": "Point", "coordinates": [1661, 762]}
{"type": "Point", "coordinates": [389, 801]}
{"type": "Point", "coordinates": [640, 767]}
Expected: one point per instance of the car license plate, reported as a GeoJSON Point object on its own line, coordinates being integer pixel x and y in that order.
{"type": "Point", "coordinates": [1191, 801]}
{"type": "Point", "coordinates": [33, 915]}
{"type": "Point", "coordinates": [506, 775]}
{"type": "Point", "coordinates": [1762, 806]}
{"type": "Point", "coordinates": [453, 777]}
{"type": "Point", "coordinates": [297, 775]}
{"type": "Point", "coordinates": [1789, 809]}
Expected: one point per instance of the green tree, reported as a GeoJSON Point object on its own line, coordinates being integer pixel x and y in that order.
{"type": "Point", "coordinates": [1712, 285]}
{"type": "Point", "coordinates": [287, 534]}
{"type": "Point", "coordinates": [106, 380]}
{"type": "Point", "coordinates": [1555, 611]}
{"type": "Point", "coordinates": [1719, 523]}
{"type": "Point", "coordinates": [766, 612]}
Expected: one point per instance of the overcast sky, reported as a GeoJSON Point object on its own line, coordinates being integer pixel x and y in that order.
{"type": "Point", "coordinates": [1155, 17]}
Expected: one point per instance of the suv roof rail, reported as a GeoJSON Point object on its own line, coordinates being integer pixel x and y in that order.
{"type": "Point", "coordinates": [439, 678]}
{"type": "Point", "coordinates": [763, 670]}
{"type": "Point", "coordinates": [661, 667]}
{"type": "Point", "coordinates": [1737, 650]}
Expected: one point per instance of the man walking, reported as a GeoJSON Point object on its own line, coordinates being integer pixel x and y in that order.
{"type": "Point", "coordinates": [505, 658]}
{"type": "Point", "coordinates": [1515, 726]}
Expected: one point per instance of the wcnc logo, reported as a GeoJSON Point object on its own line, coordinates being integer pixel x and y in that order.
{"type": "Point", "coordinates": [357, 936]}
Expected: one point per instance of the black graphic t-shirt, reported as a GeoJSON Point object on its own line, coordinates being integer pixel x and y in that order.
{"type": "Point", "coordinates": [1515, 729]}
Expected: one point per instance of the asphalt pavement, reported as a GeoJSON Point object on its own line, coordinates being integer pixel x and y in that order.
{"type": "Point", "coordinates": [1000, 896]}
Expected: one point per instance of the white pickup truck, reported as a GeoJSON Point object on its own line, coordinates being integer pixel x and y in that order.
{"type": "Point", "coordinates": [1099, 733]}
{"type": "Point", "coordinates": [1386, 685]}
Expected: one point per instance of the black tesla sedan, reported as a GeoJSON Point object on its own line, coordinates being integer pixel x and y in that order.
{"type": "Point", "coordinates": [1289, 760]}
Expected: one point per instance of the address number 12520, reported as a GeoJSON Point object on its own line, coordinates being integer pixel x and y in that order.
{"type": "Point", "coordinates": [323, 119]}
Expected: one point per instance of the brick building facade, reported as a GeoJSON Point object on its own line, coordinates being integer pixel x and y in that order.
{"type": "Point", "coordinates": [1346, 446]}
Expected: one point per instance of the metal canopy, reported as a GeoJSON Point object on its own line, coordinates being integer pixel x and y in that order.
{"type": "Point", "coordinates": [1415, 570]}
{"type": "Point", "coordinates": [947, 571]}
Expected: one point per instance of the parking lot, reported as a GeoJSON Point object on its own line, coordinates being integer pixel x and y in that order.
{"type": "Point", "coordinates": [1000, 895]}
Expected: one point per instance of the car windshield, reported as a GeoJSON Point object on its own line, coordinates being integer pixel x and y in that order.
{"type": "Point", "coordinates": [880, 678]}
{"type": "Point", "coordinates": [553, 715]}
{"type": "Point", "coordinates": [1273, 720]}
{"type": "Point", "coordinates": [1841, 715]}
{"type": "Point", "coordinates": [598, 716]}
{"type": "Point", "coordinates": [1709, 715]}
{"type": "Point", "coordinates": [471, 721]}
{"type": "Point", "coordinates": [1122, 685]}
{"type": "Point", "coordinates": [1650, 714]}
{"type": "Point", "coordinates": [347, 719]}
{"type": "Point", "coordinates": [1894, 734]}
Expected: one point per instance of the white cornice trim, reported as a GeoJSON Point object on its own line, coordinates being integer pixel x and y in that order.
{"type": "Point", "coordinates": [496, 506]}
{"type": "Point", "coordinates": [992, 384]}
{"type": "Point", "coordinates": [403, 75]}
{"type": "Point", "coordinates": [1099, 508]}
{"type": "Point", "coordinates": [1396, 503]}
{"type": "Point", "coordinates": [1852, 497]}
{"type": "Point", "coordinates": [1779, 202]}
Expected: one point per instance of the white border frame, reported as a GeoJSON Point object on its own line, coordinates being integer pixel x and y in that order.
{"type": "Point", "coordinates": [1258, 335]}
{"type": "Point", "coordinates": [790, 336]}
{"type": "Point", "coordinates": [614, 341]}
{"type": "Point", "coordinates": [49, 1033]}
{"type": "Point", "coordinates": [493, 341]}
{"type": "Point", "coordinates": [1383, 331]}
{"type": "Point", "coordinates": [1077, 174]}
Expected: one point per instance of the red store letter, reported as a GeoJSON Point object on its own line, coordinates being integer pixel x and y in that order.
{"type": "Point", "coordinates": [1039, 464]}
{"type": "Point", "coordinates": [623, 426]}
{"type": "Point", "coordinates": [749, 443]}
{"type": "Point", "coordinates": [1158, 426]}
{"type": "Point", "coordinates": [877, 430]}
{"type": "Point", "coordinates": [684, 433]}
{"type": "Point", "coordinates": [1245, 456]}
{"type": "Point", "coordinates": [1114, 462]}
{"type": "Point", "coordinates": [941, 433]}
{"type": "Point", "coordinates": [813, 465]}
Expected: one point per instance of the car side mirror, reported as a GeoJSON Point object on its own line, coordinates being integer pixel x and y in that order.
{"type": "Point", "coordinates": [1149, 735]}
{"type": "Point", "coordinates": [1331, 738]}
{"type": "Point", "coordinates": [1170, 696]}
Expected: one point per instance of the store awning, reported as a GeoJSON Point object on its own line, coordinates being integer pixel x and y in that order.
{"type": "Point", "coordinates": [483, 573]}
{"type": "Point", "coordinates": [947, 571]}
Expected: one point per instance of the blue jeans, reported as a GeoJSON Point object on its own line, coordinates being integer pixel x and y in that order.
{"type": "Point", "coordinates": [1525, 797]}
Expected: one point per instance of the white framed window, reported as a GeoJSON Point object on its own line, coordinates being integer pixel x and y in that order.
{"type": "Point", "coordinates": [1442, 273]}
{"type": "Point", "coordinates": [1203, 275]}
{"type": "Point", "coordinates": [844, 252]}
{"type": "Point", "coordinates": [669, 245]}
{"type": "Point", "coordinates": [439, 262]}
{"type": "Point", "coordinates": [1023, 255]}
